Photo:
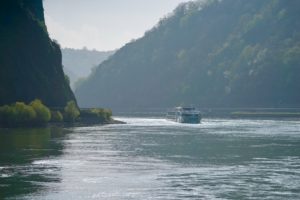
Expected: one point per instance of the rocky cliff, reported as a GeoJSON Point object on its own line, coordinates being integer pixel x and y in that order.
{"type": "Point", "coordinates": [30, 62]}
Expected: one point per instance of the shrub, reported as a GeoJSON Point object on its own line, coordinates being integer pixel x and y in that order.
{"type": "Point", "coordinates": [71, 112]}
{"type": "Point", "coordinates": [67, 79]}
{"type": "Point", "coordinates": [95, 115]}
{"type": "Point", "coordinates": [56, 116]}
{"type": "Point", "coordinates": [104, 114]}
{"type": "Point", "coordinates": [17, 114]}
{"type": "Point", "coordinates": [20, 114]}
{"type": "Point", "coordinates": [7, 115]}
{"type": "Point", "coordinates": [43, 114]}
{"type": "Point", "coordinates": [23, 113]}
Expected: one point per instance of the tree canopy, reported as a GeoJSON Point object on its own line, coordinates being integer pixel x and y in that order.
{"type": "Point", "coordinates": [211, 54]}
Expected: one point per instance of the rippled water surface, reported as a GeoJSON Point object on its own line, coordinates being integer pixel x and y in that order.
{"type": "Point", "coordinates": [153, 159]}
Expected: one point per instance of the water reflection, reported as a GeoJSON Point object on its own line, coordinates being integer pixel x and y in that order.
{"type": "Point", "coordinates": [18, 149]}
{"type": "Point", "coordinates": [155, 159]}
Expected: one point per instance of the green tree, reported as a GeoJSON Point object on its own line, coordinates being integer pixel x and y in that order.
{"type": "Point", "coordinates": [56, 116]}
{"type": "Point", "coordinates": [67, 79]}
{"type": "Point", "coordinates": [17, 114]}
{"type": "Point", "coordinates": [22, 113]}
{"type": "Point", "coordinates": [103, 114]}
{"type": "Point", "coordinates": [71, 112]}
{"type": "Point", "coordinates": [43, 114]}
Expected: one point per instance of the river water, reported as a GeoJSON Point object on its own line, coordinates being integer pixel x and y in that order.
{"type": "Point", "coordinates": [151, 158]}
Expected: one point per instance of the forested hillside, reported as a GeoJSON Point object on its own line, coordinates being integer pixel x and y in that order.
{"type": "Point", "coordinates": [30, 63]}
{"type": "Point", "coordinates": [78, 63]}
{"type": "Point", "coordinates": [229, 53]}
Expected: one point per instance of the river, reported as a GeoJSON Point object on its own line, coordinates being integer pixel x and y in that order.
{"type": "Point", "coordinates": [151, 158]}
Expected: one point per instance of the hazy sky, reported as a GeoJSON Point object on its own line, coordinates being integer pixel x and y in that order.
{"type": "Point", "coordinates": [103, 24]}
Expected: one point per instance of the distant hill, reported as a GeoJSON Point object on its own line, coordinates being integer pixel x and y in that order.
{"type": "Point", "coordinates": [78, 63]}
{"type": "Point", "coordinates": [229, 53]}
{"type": "Point", "coordinates": [30, 63]}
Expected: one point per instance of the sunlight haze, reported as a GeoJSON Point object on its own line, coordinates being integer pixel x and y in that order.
{"type": "Point", "coordinates": [102, 24]}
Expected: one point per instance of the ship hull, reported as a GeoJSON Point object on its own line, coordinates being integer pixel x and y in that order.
{"type": "Point", "coordinates": [183, 116]}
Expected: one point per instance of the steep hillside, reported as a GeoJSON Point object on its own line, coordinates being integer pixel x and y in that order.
{"type": "Point", "coordinates": [229, 53]}
{"type": "Point", "coordinates": [78, 63]}
{"type": "Point", "coordinates": [30, 63]}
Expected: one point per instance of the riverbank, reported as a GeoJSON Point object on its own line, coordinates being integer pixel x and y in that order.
{"type": "Point", "coordinates": [36, 114]}
{"type": "Point", "coordinates": [235, 113]}
{"type": "Point", "coordinates": [265, 115]}
{"type": "Point", "coordinates": [85, 123]}
{"type": "Point", "coordinates": [64, 124]}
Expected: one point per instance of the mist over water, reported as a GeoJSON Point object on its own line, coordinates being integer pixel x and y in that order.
{"type": "Point", "coordinates": [151, 158]}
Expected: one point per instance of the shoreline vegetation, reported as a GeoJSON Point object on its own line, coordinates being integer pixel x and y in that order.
{"type": "Point", "coordinates": [36, 114]}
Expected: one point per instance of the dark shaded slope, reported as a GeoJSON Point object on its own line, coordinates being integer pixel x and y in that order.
{"type": "Point", "coordinates": [217, 54]}
{"type": "Point", "coordinates": [30, 63]}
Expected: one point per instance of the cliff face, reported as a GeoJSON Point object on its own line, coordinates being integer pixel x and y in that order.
{"type": "Point", "coordinates": [216, 53]}
{"type": "Point", "coordinates": [30, 63]}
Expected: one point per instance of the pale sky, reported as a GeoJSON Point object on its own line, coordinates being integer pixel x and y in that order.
{"type": "Point", "coordinates": [103, 24]}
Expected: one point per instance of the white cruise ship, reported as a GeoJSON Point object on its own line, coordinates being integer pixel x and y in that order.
{"type": "Point", "coordinates": [188, 115]}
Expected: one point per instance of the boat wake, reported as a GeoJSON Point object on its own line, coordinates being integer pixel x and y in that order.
{"type": "Point", "coordinates": [134, 121]}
